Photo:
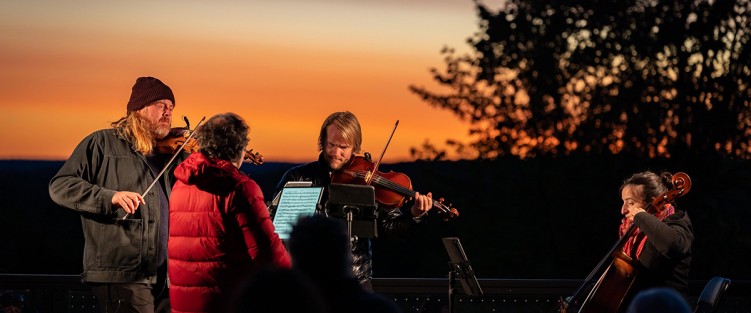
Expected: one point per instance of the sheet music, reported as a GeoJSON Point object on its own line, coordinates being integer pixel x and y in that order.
{"type": "Point", "coordinates": [294, 203]}
{"type": "Point", "coordinates": [275, 201]}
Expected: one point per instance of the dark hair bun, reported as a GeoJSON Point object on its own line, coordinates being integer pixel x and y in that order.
{"type": "Point", "coordinates": [667, 179]}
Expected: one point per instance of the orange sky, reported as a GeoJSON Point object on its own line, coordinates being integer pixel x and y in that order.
{"type": "Point", "coordinates": [67, 68]}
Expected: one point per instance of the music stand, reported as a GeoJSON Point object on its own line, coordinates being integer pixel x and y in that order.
{"type": "Point", "coordinates": [355, 203]}
{"type": "Point", "coordinates": [461, 269]}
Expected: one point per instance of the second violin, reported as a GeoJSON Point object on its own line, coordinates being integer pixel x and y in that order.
{"type": "Point", "coordinates": [391, 188]}
{"type": "Point", "coordinates": [179, 139]}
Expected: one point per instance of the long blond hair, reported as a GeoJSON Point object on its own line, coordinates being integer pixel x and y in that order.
{"type": "Point", "coordinates": [346, 123]}
{"type": "Point", "coordinates": [137, 131]}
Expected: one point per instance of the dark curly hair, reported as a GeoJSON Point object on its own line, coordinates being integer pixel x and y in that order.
{"type": "Point", "coordinates": [224, 136]}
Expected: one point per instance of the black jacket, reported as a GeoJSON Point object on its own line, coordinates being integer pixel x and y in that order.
{"type": "Point", "coordinates": [666, 257]}
{"type": "Point", "coordinates": [115, 250]}
{"type": "Point", "coordinates": [390, 222]}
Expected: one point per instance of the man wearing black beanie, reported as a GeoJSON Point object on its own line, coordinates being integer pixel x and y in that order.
{"type": "Point", "coordinates": [125, 232]}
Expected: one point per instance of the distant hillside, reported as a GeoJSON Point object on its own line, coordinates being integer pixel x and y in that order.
{"type": "Point", "coordinates": [542, 218]}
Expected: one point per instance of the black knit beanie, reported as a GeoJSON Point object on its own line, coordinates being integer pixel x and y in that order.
{"type": "Point", "coordinates": [147, 90]}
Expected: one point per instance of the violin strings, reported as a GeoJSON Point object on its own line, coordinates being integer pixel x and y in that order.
{"type": "Point", "coordinates": [392, 185]}
{"type": "Point", "coordinates": [396, 187]}
{"type": "Point", "coordinates": [399, 188]}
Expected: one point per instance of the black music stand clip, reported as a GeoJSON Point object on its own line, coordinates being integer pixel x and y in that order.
{"type": "Point", "coordinates": [461, 270]}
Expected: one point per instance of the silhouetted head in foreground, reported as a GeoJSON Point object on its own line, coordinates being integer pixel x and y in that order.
{"type": "Point", "coordinates": [318, 246]}
{"type": "Point", "coordinates": [659, 300]}
{"type": "Point", "coordinates": [262, 292]}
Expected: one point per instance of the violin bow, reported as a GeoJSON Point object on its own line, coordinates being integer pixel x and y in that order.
{"type": "Point", "coordinates": [156, 178]}
{"type": "Point", "coordinates": [375, 167]}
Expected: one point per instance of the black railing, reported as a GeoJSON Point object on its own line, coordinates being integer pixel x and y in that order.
{"type": "Point", "coordinates": [520, 295]}
{"type": "Point", "coordinates": [65, 293]}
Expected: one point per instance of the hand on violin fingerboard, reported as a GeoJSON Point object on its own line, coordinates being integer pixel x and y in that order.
{"type": "Point", "coordinates": [423, 203]}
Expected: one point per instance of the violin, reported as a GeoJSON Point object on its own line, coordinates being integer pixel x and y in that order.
{"type": "Point", "coordinates": [182, 139]}
{"type": "Point", "coordinates": [614, 286]}
{"type": "Point", "coordinates": [175, 140]}
{"type": "Point", "coordinates": [179, 138]}
{"type": "Point", "coordinates": [254, 158]}
{"type": "Point", "coordinates": [391, 188]}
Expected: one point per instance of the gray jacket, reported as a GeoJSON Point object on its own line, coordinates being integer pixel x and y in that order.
{"type": "Point", "coordinates": [116, 250]}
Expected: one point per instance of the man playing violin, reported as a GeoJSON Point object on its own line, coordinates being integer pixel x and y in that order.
{"type": "Point", "coordinates": [339, 140]}
{"type": "Point", "coordinates": [125, 232]}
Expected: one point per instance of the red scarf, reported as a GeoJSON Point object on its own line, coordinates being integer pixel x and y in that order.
{"type": "Point", "coordinates": [638, 239]}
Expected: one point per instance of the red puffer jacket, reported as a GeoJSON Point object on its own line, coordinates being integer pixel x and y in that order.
{"type": "Point", "coordinates": [220, 231]}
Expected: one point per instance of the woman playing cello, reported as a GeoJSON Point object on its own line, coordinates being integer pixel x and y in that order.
{"type": "Point", "coordinates": [662, 240]}
{"type": "Point", "coordinates": [654, 248]}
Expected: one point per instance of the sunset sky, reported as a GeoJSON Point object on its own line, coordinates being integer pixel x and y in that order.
{"type": "Point", "coordinates": [67, 68]}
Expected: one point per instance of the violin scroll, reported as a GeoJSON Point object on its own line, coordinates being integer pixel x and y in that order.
{"type": "Point", "coordinates": [254, 158]}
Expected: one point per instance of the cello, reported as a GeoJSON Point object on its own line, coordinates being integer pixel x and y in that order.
{"type": "Point", "coordinates": [614, 285]}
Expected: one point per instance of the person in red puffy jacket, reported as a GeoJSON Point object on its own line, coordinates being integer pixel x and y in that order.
{"type": "Point", "coordinates": [220, 229]}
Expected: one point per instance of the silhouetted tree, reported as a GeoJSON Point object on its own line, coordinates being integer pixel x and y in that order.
{"type": "Point", "coordinates": [647, 78]}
